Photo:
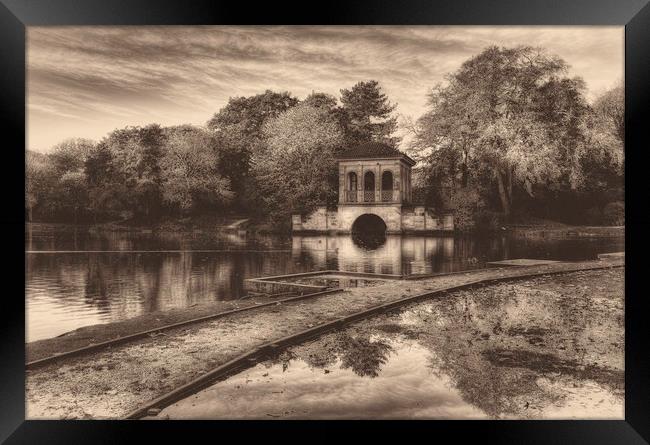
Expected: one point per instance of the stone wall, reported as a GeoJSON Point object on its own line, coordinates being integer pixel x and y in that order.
{"type": "Point", "coordinates": [391, 214]}
{"type": "Point", "coordinates": [397, 219]}
{"type": "Point", "coordinates": [422, 219]}
{"type": "Point", "coordinates": [320, 219]}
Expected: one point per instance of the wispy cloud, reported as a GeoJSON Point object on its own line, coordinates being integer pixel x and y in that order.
{"type": "Point", "coordinates": [86, 81]}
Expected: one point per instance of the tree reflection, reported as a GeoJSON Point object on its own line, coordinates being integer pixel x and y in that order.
{"type": "Point", "coordinates": [358, 353]}
{"type": "Point", "coordinates": [496, 345]}
{"type": "Point", "coordinates": [369, 240]}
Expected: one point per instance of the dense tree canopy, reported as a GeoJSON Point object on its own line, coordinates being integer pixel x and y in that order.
{"type": "Point", "coordinates": [189, 169]}
{"type": "Point", "coordinates": [509, 118]}
{"type": "Point", "coordinates": [238, 127]}
{"type": "Point", "coordinates": [297, 170]}
{"type": "Point", "coordinates": [368, 114]}
{"type": "Point", "coordinates": [507, 133]}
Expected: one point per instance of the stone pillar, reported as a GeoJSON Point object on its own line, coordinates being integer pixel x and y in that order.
{"type": "Point", "coordinates": [359, 171]}
{"type": "Point", "coordinates": [377, 183]}
{"type": "Point", "coordinates": [397, 177]}
{"type": "Point", "coordinates": [342, 181]}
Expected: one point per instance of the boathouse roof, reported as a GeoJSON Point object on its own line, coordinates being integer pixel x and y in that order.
{"type": "Point", "coordinates": [370, 150]}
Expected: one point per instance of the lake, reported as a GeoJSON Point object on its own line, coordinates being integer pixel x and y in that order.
{"type": "Point", "coordinates": [79, 276]}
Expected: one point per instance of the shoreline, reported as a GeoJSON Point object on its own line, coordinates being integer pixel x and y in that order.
{"type": "Point", "coordinates": [516, 230]}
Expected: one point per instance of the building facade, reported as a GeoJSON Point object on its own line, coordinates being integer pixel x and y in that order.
{"type": "Point", "coordinates": [374, 192]}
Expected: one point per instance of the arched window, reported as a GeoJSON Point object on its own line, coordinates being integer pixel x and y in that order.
{"type": "Point", "coordinates": [387, 180]}
{"type": "Point", "coordinates": [352, 181]}
{"type": "Point", "coordinates": [369, 187]}
{"type": "Point", "coordinates": [387, 186]}
{"type": "Point", "coordinates": [369, 181]}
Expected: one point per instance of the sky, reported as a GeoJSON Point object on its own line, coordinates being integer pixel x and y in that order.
{"type": "Point", "coordinates": [87, 81]}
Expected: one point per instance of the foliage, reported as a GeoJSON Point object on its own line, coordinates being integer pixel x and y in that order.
{"type": "Point", "coordinates": [366, 114]}
{"type": "Point", "coordinates": [70, 154]}
{"type": "Point", "coordinates": [134, 169]}
{"type": "Point", "coordinates": [602, 157]}
{"type": "Point", "coordinates": [297, 170]}
{"type": "Point", "coordinates": [238, 127]}
{"type": "Point", "coordinates": [508, 119]}
{"type": "Point", "coordinates": [466, 203]}
{"type": "Point", "coordinates": [73, 194]}
{"type": "Point", "coordinates": [321, 100]}
{"type": "Point", "coordinates": [40, 180]}
{"type": "Point", "coordinates": [610, 110]}
{"type": "Point", "coordinates": [507, 134]}
{"type": "Point", "coordinates": [189, 170]}
{"type": "Point", "coordinates": [614, 213]}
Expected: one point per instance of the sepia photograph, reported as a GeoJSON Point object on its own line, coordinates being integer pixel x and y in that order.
{"type": "Point", "coordinates": [325, 222]}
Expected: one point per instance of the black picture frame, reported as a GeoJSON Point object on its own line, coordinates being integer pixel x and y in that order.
{"type": "Point", "coordinates": [15, 15]}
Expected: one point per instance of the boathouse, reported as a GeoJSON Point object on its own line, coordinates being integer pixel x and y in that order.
{"type": "Point", "coordinates": [374, 194]}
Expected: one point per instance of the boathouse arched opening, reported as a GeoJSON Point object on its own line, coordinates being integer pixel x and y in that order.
{"type": "Point", "coordinates": [369, 231]}
{"type": "Point", "coordinates": [369, 223]}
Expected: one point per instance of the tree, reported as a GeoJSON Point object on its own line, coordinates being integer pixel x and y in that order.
{"type": "Point", "coordinates": [251, 112]}
{"type": "Point", "coordinates": [321, 100]}
{"type": "Point", "coordinates": [238, 128]}
{"type": "Point", "coordinates": [73, 193]}
{"type": "Point", "coordinates": [512, 116]}
{"type": "Point", "coordinates": [368, 114]}
{"type": "Point", "coordinates": [135, 173]}
{"type": "Point", "coordinates": [108, 192]}
{"type": "Point", "coordinates": [602, 156]}
{"type": "Point", "coordinates": [297, 170]}
{"type": "Point", "coordinates": [70, 154]}
{"type": "Point", "coordinates": [189, 169]}
{"type": "Point", "coordinates": [610, 109]}
{"type": "Point", "coordinates": [55, 183]}
{"type": "Point", "coordinates": [40, 179]}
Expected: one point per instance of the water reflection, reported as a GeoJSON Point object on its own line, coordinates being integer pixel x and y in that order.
{"type": "Point", "coordinates": [302, 391]}
{"type": "Point", "coordinates": [77, 277]}
{"type": "Point", "coordinates": [359, 353]}
{"type": "Point", "coordinates": [369, 240]}
{"type": "Point", "coordinates": [527, 351]}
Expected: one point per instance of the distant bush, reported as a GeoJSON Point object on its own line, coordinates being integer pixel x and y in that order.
{"type": "Point", "coordinates": [614, 214]}
{"type": "Point", "coordinates": [471, 213]}
{"type": "Point", "coordinates": [594, 216]}
{"type": "Point", "coordinates": [486, 220]}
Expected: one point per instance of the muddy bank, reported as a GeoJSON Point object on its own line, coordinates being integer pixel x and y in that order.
{"type": "Point", "coordinates": [549, 347]}
{"type": "Point", "coordinates": [110, 383]}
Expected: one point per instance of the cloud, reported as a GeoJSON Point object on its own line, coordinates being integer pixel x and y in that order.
{"type": "Point", "coordinates": [85, 81]}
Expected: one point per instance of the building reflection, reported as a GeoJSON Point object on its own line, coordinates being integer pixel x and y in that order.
{"type": "Point", "coordinates": [397, 255]}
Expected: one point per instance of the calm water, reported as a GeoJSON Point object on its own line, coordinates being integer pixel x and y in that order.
{"type": "Point", "coordinates": [77, 277]}
{"type": "Point", "coordinates": [513, 356]}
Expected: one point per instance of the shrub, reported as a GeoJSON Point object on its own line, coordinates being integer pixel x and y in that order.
{"type": "Point", "coordinates": [486, 220]}
{"type": "Point", "coordinates": [594, 216]}
{"type": "Point", "coordinates": [614, 213]}
{"type": "Point", "coordinates": [467, 204]}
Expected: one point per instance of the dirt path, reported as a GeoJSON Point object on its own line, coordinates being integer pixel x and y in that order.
{"type": "Point", "coordinates": [110, 383]}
